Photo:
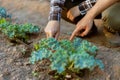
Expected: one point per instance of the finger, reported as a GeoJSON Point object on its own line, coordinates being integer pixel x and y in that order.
{"type": "Point", "coordinates": [72, 18]}
{"type": "Point", "coordinates": [50, 35]}
{"type": "Point", "coordinates": [68, 14]}
{"type": "Point", "coordinates": [84, 33]}
{"type": "Point", "coordinates": [57, 35]}
{"type": "Point", "coordinates": [47, 35]}
{"type": "Point", "coordinates": [77, 30]}
{"type": "Point", "coordinates": [73, 35]}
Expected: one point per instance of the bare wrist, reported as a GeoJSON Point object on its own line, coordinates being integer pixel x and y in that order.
{"type": "Point", "coordinates": [54, 21]}
{"type": "Point", "coordinates": [91, 14]}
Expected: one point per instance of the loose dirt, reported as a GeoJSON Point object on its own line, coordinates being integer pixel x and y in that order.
{"type": "Point", "coordinates": [15, 66]}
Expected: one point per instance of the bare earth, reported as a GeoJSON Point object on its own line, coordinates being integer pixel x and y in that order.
{"type": "Point", "coordinates": [13, 66]}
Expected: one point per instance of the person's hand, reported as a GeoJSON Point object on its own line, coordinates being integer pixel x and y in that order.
{"type": "Point", "coordinates": [73, 13]}
{"type": "Point", "coordinates": [52, 29]}
{"type": "Point", "coordinates": [83, 27]}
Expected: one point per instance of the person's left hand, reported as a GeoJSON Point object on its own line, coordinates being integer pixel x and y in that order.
{"type": "Point", "coordinates": [83, 27]}
{"type": "Point", "coordinates": [73, 13]}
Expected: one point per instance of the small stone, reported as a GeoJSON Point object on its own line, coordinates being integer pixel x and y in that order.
{"type": "Point", "coordinates": [108, 77]}
{"type": "Point", "coordinates": [10, 61]}
{"type": "Point", "coordinates": [19, 64]}
{"type": "Point", "coordinates": [14, 49]}
{"type": "Point", "coordinates": [26, 63]}
{"type": "Point", "coordinates": [1, 75]}
{"type": "Point", "coordinates": [28, 79]}
{"type": "Point", "coordinates": [68, 76]}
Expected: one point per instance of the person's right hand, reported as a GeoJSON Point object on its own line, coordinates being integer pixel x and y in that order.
{"type": "Point", "coordinates": [83, 27]}
{"type": "Point", "coordinates": [52, 29]}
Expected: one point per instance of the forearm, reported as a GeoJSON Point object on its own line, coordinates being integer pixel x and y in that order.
{"type": "Point", "coordinates": [100, 6]}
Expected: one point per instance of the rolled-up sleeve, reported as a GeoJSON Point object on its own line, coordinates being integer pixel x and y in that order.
{"type": "Point", "coordinates": [86, 5]}
{"type": "Point", "coordinates": [55, 9]}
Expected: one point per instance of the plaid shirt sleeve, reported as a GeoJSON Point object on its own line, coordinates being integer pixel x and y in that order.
{"type": "Point", "coordinates": [86, 5]}
{"type": "Point", "coordinates": [55, 8]}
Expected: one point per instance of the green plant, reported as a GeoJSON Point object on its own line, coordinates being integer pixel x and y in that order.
{"type": "Point", "coordinates": [3, 13]}
{"type": "Point", "coordinates": [34, 73]}
{"type": "Point", "coordinates": [66, 55]}
{"type": "Point", "coordinates": [17, 31]}
{"type": "Point", "coordinates": [2, 20]}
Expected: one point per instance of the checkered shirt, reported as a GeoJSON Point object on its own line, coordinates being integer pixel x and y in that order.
{"type": "Point", "coordinates": [55, 8]}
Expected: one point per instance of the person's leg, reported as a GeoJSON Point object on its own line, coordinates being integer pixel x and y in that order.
{"type": "Point", "coordinates": [111, 22]}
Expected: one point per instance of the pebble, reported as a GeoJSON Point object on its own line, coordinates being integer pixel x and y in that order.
{"type": "Point", "coordinates": [1, 75]}
{"type": "Point", "coordinates": [19, 64]}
